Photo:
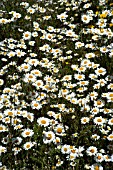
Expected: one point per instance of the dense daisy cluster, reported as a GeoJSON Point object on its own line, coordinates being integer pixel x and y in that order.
{"type": "Point", "coordinates": [56, 85]}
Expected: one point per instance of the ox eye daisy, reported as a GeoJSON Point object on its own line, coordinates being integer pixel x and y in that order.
{"type": "Point", "coordinates": [79, 76]}
{"type": "Point", "coordinates": [1, 82]}
{"type": "Point", "coordinates": [59, 130]}
{"type": "Point", "coordinates": [65, 149]}
{"type": "Point", "coordinates": [85, 120]}
{"type": "Point", "coordinates": [92, 150]}
{"type": "Point", "coordinates": [28, 145]}
{"type": "Point", "coordinates": [2, 150]}
{"type": "Point", "coordinates": [36, 105]}
{"type": "Point", "coordinates": [42, 121]}
{"type": "Point", "coordinates": [100, 71]}
{"type": "Point", "coordinates": [27, 35]}
{"type": "Point", "coordinates": [27, 133]}
{"type": "Point", "coordinates": [48, 137]}
{"type": "Point", "coordinates": [85, 18]}
{"type": "Point", "coordinates": [110, 137]}
{"type": "Point", "coordinates": [99, 120]}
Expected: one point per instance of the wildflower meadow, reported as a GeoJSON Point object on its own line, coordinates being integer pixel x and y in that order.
{"type": "Point", "coordinates": [56, 85]}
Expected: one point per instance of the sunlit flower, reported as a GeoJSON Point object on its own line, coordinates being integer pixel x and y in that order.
{"type": "Point", "coordinates": [89, 55]}
{"type": "Point", "coordinates": [79, 76]}
{"type": "Point", "coordinates": [96, 167]}
{"type": "Point", "coordinates": [59, 129]}
{"type": "Point", "coordinates": [11, 54]}
{"type": "Point", "coordinates": [110, 122]}
{"type": "Point", "coordinates": [16, 150]}
{"type": "Point", "coordinates": [57, 140]}
{"type": "Point", "coordinates": [38, 84]}
{"type": "Point", "coordinates": [95, 137]}
{"type": "Point", "coordinates": [10, 113]}
{"type": "Point", "coordinates": [27, 133]}
{"type": "Point", "coordinates": [6, 119]}
{"type": "Point", "coordinates": [98, 103]}
{"type": "Point", "coordinates": [1, 82]}
{"type": "Point", "coordinates": [33, 62]}
{"type": "Point", "coordinates": [51, 113]}
{"type": "Point", "coordinates": [83, 83]}
{"type": "Point", "coordinates": [70, 33]}
{"type": "Point", "coordinates": [99, 120]}
{"type": "Point", "coordinates": [103, 49]}
{"type": "Point", "coordinates": [30, 10]}
{"type": "Point", "coordinates": [28, 145]}
{"type": "Point", "coordinates": [3, 21]}
{"type": "Point", "coordinates": [110, 137]}
{"type": "Point", "coordinates": [25, 67]}
{"type": "Point", "coordinates": [2, 150]}
{"type": "Point", "coordinates": [79, 44]}
{"type": "Point", "coordinates": [99, 157]}
{"type": "Point", "coordinates": [85, 120]}
{"type": "Point", "coordinates": [100, 71]}
{"type": "Point", "coordinates": [36, 105]}
{"type": "Point", "coordinates": [29, 78]}
{"type": "Point", "coordinates": [107, 158]}
{"type": "Point", "coordinates": [30, 117]}
{"type": "Point", "coordinates": [85, 18]}
{"type": "Point", "coordinates": [42, 121]}
{"type": "Point", "coordinates": [27, 35]}
{"type": "Point", "coordinates": [65, 149]}
{"type": "Point", "coordinates": [32, 43]}
{"type": "Point", "coordinates": [48, 137]}
{"type": "Point", "coordinates": [62, 16]}
{"type": "Point", "coordinates": [67, 78]}
{"type": "Point", "coordinates": [92, 150]}
{"type": "Point", "coordinates": [110, 86]}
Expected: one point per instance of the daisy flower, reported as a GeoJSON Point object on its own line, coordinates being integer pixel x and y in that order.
{"type": "Point", "coordinates": [110, 137]}
{"type": "Point", "coordinates": [28, 145]}
{"type": "Point", "coordinates": [85, 18]}
{"type": "Point", "coordinates": [98, 103]}
{"type": "Point", "coordinates": [29, 78]}
{"type": "Point", "coordinates": [10, 113]}
{"type": "Point", "coordinates": [48, 137]}
{"type": "Point", "coordinates": [107, 158]}
{"type": "Point", "coordinates": [27, 133]}
{"type": "Point", "coordinates": [36, 72]}
{"type": "Point", "coordinates": [65, 149]}
{"type": "Point", "coordinates": [99, 120]}
{"type": "Point", "coordinates": [31, 10]}
{"type": "Point", "coordinates": [95, 137]}
{"type": "Point", "coordinates": [110, 122]}
{"type": "Point", "coordinates": [2, 150]}
{"type": "Point", "coordinates": [27, 35]}
{"type": "Point", "coordinates": [67, 78]}
{"type": "Point", "coordinates": [16, 150]}
{"type": "Point", "coordinates": [62, 16]}
{"type": "Point", "coordinates": [110, 86]}
{"type": "Point", "coordinates": [90, 55]}
{"type": "Point", "coordinates": [38, 84]}
{"type": "Point", "coordinates": [92, 150]}
{"type": "Point", "coordinates": [25, 67]}
{"type": "Point", "coordinates": [79, 76]}
{"type": "Point", "coordinates": [78, 45]}
{"type": "Point", "coordinates": [85, 120]}
{"type": "Point", "coordinates": [96, 167]}
{"type": "Point", "coordinates": [36, 105]}
{"type": "Point", "coordinates": [99, 157]}
{"type": "Point", "coordinates": [11, 54]}
{"type": "Point", "coordinates": [59, 129]}
{"type": "Point", "coordinates": [1, 82]}
{"type": "Point", "coordinates": [42, 121]}
{"type": "Point", "coordinates": [100, 71]}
